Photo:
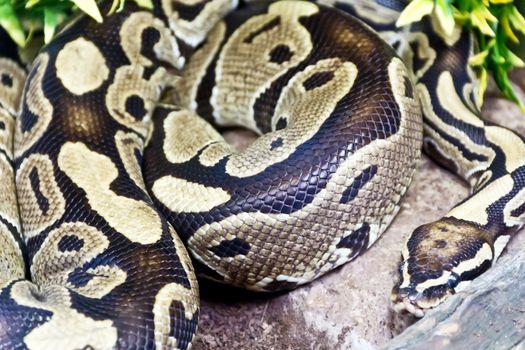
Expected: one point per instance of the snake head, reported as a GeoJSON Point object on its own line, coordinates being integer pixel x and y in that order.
{"type": "Point", "coordinates": [439, 259]}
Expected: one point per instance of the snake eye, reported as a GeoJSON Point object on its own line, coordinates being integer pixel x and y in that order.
{"type": "Point", "coordinates": [453, 280]}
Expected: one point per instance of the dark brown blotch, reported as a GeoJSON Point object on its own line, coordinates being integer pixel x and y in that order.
{"type": "Point", "coordinates": [6, 80]}
{"type": "Point", "coordinates": [317, 80]}
{"type": "Point", "coordinates": [281, 54]}
{"type": "Point", "coordinates": [231, 248]}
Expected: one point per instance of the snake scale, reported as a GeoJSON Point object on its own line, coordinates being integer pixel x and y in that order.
{"type": "Point", "coordinates": [111, 185]}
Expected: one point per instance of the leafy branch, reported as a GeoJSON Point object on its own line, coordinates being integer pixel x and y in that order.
{"type": "Point", "coordinates": [20, 18]}
{"type": "Point", "coordinates": [496, 23]}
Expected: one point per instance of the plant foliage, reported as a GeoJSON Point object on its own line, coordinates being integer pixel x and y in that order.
{"type": "Point", "coordinates": [497, 25]}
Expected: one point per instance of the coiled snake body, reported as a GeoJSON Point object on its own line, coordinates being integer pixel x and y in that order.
{"type": "Point", "coordinates": [340, 124]}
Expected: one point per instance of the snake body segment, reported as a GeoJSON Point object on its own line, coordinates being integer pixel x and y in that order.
{"type": "Point", "coordinates": [339, 114]}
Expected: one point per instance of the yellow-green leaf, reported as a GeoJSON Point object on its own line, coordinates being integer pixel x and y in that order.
{"type": "Point", "coordinates": [444, 16]}
{"type": "Point", "coordinates": [50, 24]}
{"type": "Point", "coordinates": [479, 20]}
{"type": "Point", "coordinates": [517, 20]}
{"type": "Point", "coordinates": [414, 11]}
{"type": "Point", "coordinates": [90, 7]}
{"type": "Point", "coordinates": [145, 3]}
{"type": "Point", "coordinates": [483, 82]}
{"type": "Point", "coordinates": [478, 59]}
{"type": "Point", "coordinates": [515, 60]}
{"type": "Point", "coordinates": [31, 3]}
{"type": "Point", "coordinates": [10, 22]}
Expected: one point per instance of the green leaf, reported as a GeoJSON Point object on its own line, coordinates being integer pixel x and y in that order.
{"type": "Point", "coordinates": [11, 23]}
{"type": "Point", "coordinates": [444, 15]}
{"type": "Point", "coordinates": [50, 24]}
{"type": "Point", "coordinates": [414, 11]}
{"type": "Point", "coordinates": [90, 7]}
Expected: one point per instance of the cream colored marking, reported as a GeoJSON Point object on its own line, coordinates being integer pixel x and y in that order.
{"type": "Point", "coordinates": [193, 32]}
{"type": "Point", "coordinates": [67, 329]}
{"type": "Point", "coordinates": [450, 40]}
{"type": "Point", "coordinates": [103, 280]}
{"type": "Point", "coordinates": [7, 133]}
{"type": "Point", "coordinates": [127, 143]}
{"type": "Point", "coordinates": [8, 200]}
{"type": "Point", "coordinates": [12, 264]}
{"type": "Point", "coordinates": [511, 144]}
{"type": "Point", "coordinates": [452, 103]}
{"type": "Point", "coordinates": [441, 280]}
{"type": "Point", "coordinates": [185, 92]}
{"type": "Point", "coordinates": [166, 48]}
{"type": "Point", "coordinates": [81, 67]}
{"type": "Point", "coordinates": [10, 95]}
{"type": "Point", "coordinates": [514, 203]}
{"type": "Point", "coordinates": [304, 113]}
{"type": "Point", "coordinates": [500, 244]}
{"type": "Point", "coordinates": [51, 266]}
{"type": "Point", "coordinates": [161, 316]}
{"type": "Point", "coordinates": [475, 208]}
{"type": "Point", "coordinates": [186, 134]}
{"type": "Point", "coordinates": [174, 194]}
{"type": "Point", "coordinates": [213, 153]}
{"type": "Point", "coordinates": [144, 226]}
{"type": "Point", "coordinates": [307, 237]}
{"type": "Point", "coordinates": [483, 254]}
{"type": "Point", "coordinates": [478, 183]}
{"type": "Point", "coordinates": [34, 220]}
{"type": "Point", "coordinates": [368, 9]}
{"type": "Point", "coordinates": [128, 82]}
{"type": "Point", "coordinates": [244, 70]}
{"type": "Point", "coordinates": [466, 168]}
{"type": "Point", "coordinates": [424, 52]}
{"type": "Point", "coordinates": [37, 104]}
{"type": "Point", "coordinates": [404, 272]}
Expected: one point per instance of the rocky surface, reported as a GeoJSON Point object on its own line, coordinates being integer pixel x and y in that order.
{"type": "Point", "coordinates": [348, 308]}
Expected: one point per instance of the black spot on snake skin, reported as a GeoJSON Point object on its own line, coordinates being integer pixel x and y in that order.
{"type": "Point", "coordinates": [268, 26]}
{"type": "Point", "coordinates": [42, 201]}
{"type": "Point", "coordinates": [276, 143]}
{"type": "Point", "coordinates": [396, 45]}
{"type": "Point", "coordinates": [6, 80]}
{"type": "Point", "coordinates": [359, 182]}
{"type": "Point", "coordinates": [70, 243]}
{"type": "Point", "coordinates": [409, 91]}
{"type": "Point", "coordinates": [281, 54]}
{"type": "Point", "coordinates": [2, 125]}
{"type": "Point", "coordinates": [135, 107]}
{"type": "Point", "coordinates": [317, 80]}
{"type": "Point", "coordinates": [231, 248]}
{"type": "Point", "coordinates": [188, 12]}
{"type": "Point", "coordinates": [281, 124]}
{"type": "Point", "coordinates": [357, 241]}
{"type": "Point", "coordinates": [149, 37]}
{"type": "Point", "coordinates": [276, 286]}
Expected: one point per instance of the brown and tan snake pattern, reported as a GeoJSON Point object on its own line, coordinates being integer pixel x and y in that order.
{"type": "Point", "coordinates": [104, 187]}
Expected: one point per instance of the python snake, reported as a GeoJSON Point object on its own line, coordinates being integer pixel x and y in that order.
{"type": "Point", "coordinates": [108, 178]}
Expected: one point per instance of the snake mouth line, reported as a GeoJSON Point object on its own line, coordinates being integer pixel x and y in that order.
{"type": "Point", "coordinates": [406, 305]}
